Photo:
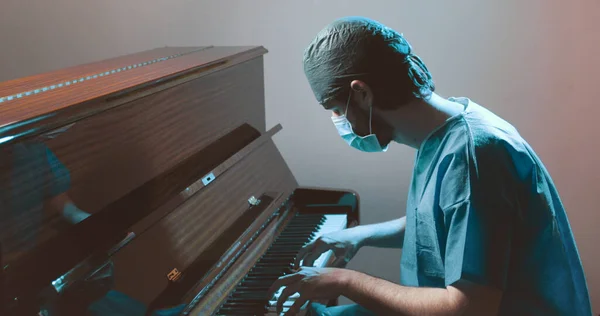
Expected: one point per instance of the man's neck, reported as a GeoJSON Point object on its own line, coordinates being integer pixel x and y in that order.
{"type": "Point", "coordinates": [414, 122]}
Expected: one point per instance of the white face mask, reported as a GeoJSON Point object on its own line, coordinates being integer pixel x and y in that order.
{"type": "Point", "coordinates": [367, 143]}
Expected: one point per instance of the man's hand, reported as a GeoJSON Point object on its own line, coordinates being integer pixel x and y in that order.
{"type": "Point", "coordinates": [64, 206]}
{"type": "Point", "coordinates": [311, 284]}
{"type": "Point", "coordinates": [344, 244]}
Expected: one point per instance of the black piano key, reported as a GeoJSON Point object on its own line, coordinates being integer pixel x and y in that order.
{"type": "Point", "coordinates": [288, 245]}
{"type": "Point", "coordinates": [233, 299]}
{"type": "Point", "coordinates": [237, 303]}
{"type": "Point", "coordinates": [260, 279]}
{"type": "Point", "coordinates": [273, 265]}
{"type": "Point", "coordinates": [271, 259]}
{"type": "Point", "coordinates": [274, 259]}
{"type": "Point", "coordinates": [309, 227]}
{"type": "Point", "coordinates": [253, 289]}
{"type": "Point", "coordinates": [256, 307]}
{"type": "Point", "coordinates": [293, 239]}
{"type": "Point", "coordinates": [279, 252]}
{"type": "Point", "coordinates": [271, 272]}
{"type": "Point", "coordinates": [291, 253]}
{"type": "Point", "coordinates": [240, 311]}
{"type": "Point", "coordinates": [303, 221]}
{"type": "Point", "coordinates": [250, 295]}
{"type": "Point", "coordinates": [302, 234]}
{"type": "Point", "coordinates": [282, 261]}
{"type": "Point", "coordinates": [276, 264]}
{"type": "Point", "coordinates": [253, 279]}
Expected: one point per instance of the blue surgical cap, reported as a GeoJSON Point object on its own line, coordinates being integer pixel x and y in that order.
{"type": "Point", "coordinates": [351, 48]}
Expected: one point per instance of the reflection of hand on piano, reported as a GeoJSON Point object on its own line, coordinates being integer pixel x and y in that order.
{"type": "Point", "coordinates": [310, 284]}
{"type": "Point", "coordinates": [63, 205]}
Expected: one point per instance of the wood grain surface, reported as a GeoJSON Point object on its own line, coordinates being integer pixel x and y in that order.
{"type": "Point", "coordinates": [51, 109]}
{"type": "Point", "coordinates": [53, 77]}
{"type": "Point", "coordinates": [131, 129]}
{"type": "Point", "coordinates": [132, 143]}
{"type": "Point", "coordinates": [180, 237]}
{"type": "Point", "coordinates": [125, 147]}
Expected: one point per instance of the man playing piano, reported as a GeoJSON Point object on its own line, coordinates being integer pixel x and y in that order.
{"type": "Point", "coordinates": [485, 232]}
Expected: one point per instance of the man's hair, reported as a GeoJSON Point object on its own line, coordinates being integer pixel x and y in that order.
{"type": "Point", "coordinates": [357, 48]}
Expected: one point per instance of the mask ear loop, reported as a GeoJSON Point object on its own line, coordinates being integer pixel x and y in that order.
{"type": "Point", "coordinates": [348, 103]}
{"type": "Point", "coordinates": [370, 119]}
{"type": "Point", "coordinates": [370, 112]}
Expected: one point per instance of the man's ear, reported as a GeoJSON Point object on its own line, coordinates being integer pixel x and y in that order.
{"type": "Point", "coordinates": [362, 92]}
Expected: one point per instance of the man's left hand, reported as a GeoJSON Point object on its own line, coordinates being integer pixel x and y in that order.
{"type": "Point", "coordinates": [311, 284]}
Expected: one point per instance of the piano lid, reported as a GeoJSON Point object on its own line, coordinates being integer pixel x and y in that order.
{"type": "Point", "coordinates": [39, 103]}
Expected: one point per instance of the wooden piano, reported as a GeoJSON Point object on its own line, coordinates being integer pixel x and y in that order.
{"type": "Point", "coordinates": [149, 185]}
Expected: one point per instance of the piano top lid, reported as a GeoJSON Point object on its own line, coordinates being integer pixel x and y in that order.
{"type": "Point", "coordinates": [41, 102]}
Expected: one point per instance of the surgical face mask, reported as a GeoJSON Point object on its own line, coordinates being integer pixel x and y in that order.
{"type": "Point", "coordinates": [367, 143]}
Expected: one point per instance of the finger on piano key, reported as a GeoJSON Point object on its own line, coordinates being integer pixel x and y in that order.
{"type": "Point", "coordinates": [333, 222]}
{"type": "Point", "coordinates": [272, 308]}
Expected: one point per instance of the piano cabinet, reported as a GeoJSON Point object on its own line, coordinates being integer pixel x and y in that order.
{"type": "Point", "coordinates": [149, 184]}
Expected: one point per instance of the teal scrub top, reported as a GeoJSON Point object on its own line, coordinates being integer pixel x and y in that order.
{"type": "Point", "coordinates": [31, 175]}
{"type": "Point", "coordinates": [483, 208]}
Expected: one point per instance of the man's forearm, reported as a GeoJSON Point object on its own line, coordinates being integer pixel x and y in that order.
{"type": "Point", "coordinates": [384, 235]}
{"type": "Point", "coordinates": [386, 298]}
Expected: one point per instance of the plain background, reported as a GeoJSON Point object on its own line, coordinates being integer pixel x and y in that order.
{"type": "Point", "coordinates": [532, 62]}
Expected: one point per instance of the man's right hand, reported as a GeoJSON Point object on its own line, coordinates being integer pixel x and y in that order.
{"type": "Point", "coordinates": [344, 244]}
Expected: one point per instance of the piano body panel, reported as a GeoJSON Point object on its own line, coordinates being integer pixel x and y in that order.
{"type": "Point", "coordinates": [181, 236]}
{"type": "Point", "coordinates": [111, 152]}
{"type": "Point", "coordinates": [123, 148]}
{"type": "Point", "coordinates": [108, 227]}
{"type": "Point", "coordinates": [164, 157]}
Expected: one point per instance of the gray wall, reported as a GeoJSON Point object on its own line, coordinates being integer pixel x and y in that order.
{"type": "Point", "coordinates": [533, 62]}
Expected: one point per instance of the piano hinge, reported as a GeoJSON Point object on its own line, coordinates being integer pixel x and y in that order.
{"type": "Point", "coordinates": [208, 179]}
{"type": "Point", "coordinates": [174, 275]}
{"type": "Point", "coordinates": [253, 201]}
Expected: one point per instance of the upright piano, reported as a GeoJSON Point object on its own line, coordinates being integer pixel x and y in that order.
{"type": "Point", "coordinates": [148, 184]}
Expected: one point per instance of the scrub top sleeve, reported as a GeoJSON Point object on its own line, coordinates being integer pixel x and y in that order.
{"type": "Point", "coordinates": [60, 178]}
{"type": "Point", "coordinates": [479, 227]}
{"type": "Point", "coordinates": [478, 245]}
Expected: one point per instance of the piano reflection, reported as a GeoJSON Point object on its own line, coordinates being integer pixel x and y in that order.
{"type": "Point", "coordinates": [148, 184]}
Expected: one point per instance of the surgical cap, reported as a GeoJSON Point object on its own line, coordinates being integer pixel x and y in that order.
{"type": "Point", "coordinates": [351, 48]}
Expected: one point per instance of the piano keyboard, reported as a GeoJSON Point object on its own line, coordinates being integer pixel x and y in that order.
{"type": "Point", "coordinates": [250, 295]}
